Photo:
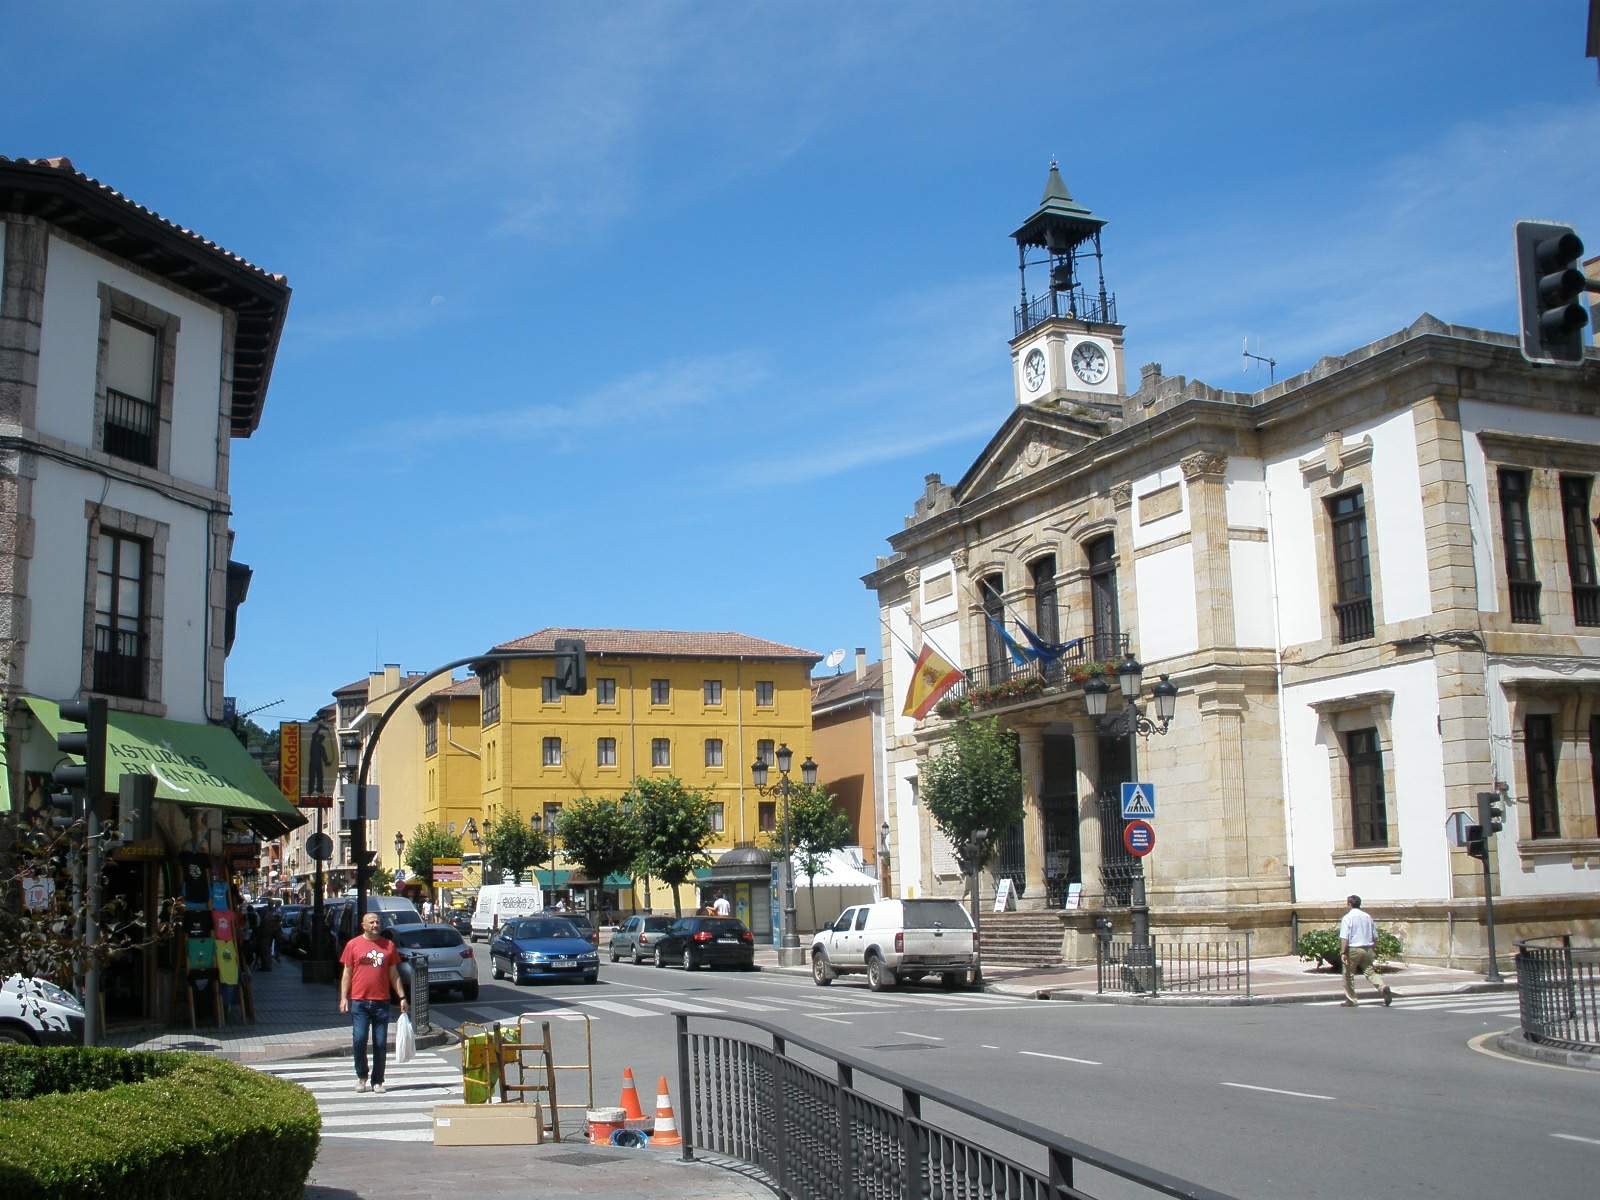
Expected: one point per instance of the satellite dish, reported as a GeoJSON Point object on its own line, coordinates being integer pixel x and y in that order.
{"type": "Point", "coordinates": [835, 657]}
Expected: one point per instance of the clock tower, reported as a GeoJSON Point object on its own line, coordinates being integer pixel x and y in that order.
{"type": "Point", "coordinates": [1067, 344]}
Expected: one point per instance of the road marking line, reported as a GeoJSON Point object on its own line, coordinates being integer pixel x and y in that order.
{"type": "Point", "coordinates": [826, 1017]}
{"type": "Point", "coordinates": [377, 1110]}
{"type": "Point", "coordinates": [753, 1007]}
{"type": "Point", "coordinates": [399, 1118]}
{"type": "Point", "coordinates": [1278, 1091]}
{"type": "Point", "coordinates": [927, 1037]}
{"type": "Point", "coordinates": [1572, 1137]}
{"type": "Point", "coordinates": [674, 1005]}
{"type": "Point", "coordinates": [1087, 1062]}
{"type": "Point", "coordinates": [617, 1006]}
{"type": "Point", "coordinates": [789, 1002]}
{"type": "Point", "coordinates": [387, 1135]}
{"type": "Point", "coordinates": [986, 1046]}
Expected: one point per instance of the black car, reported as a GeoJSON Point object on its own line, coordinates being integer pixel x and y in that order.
{"type": "Point", "coordinates": [289, 936]}
{"type": "Point", "coordinates": [697, 942]}
{"type": "Point", "coordinates": [460, 919]}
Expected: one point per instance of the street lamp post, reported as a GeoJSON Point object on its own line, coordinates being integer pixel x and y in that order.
{"type": "Point", "coordinates": [789, 953]}
{"type": "Point", "coordinates": [885, 878]}
{"type": "Point", "coordinates": [399, 848]}
{"type": "Point", "coordinates": [1131, 721]}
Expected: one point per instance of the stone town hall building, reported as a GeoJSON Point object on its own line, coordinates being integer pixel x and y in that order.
{"type": "Point", "coordinates": [1374, 584]}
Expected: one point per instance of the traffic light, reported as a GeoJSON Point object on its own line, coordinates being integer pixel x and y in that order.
{"type": "Point", "coordinates": [572, 667]}
{"type": "Point", "coordinates": [1477, 846]}
{"type": "Point", "coordinates": [88, 776]}
{"type": "Point", "coordinates": [1550, 287]}
{"type": "Point", "coordinates": [1491, 814]}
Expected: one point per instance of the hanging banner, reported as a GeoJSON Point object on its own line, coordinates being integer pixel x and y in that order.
{"type": "Point", "coordinates": [307, 763]}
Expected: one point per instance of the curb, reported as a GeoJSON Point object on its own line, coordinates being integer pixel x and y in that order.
{"type": "Point", "coordinates": [436, 1036]}
{"type": "Point", "coordinates": [1514, 1043]}
{"type": "Point", "coordinates": [1182, 1001]}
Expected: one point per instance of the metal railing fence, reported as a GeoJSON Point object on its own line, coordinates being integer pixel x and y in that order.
{"type": "Point", "coordinates": [1057, 673]}
{"type": "Point", "coordinates": [1558, 992]}
{"type": "Point", "coordinates": [1183, 967]}
{"type": "Point", "coordinates": [817, 1135]}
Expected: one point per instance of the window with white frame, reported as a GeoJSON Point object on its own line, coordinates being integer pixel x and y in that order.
{"type": "Point", "coordinates": [718, 817]}
{"type": "Point", "coordinates": [605, 752]}
{"type": "Point", "coordinates": [713, 752]}
{"type": "Point", "coordinates": [552, 752]}
{"type": "Point", "coordinates": [660, 752]}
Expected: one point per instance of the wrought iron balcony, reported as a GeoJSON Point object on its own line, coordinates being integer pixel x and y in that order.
{"type": "Point", "coordinates": [1076, 305]}
{"type": "Point", "coordinates": [130, 430]}
{"type": "Point", "coordinates": [1525, 601]}
{"type": "Point", "coordinates": [118, 662]}
{"type": "Point", "coordinates": [1034, 676]}
{"type": "Point", "coordinates": [1355, 619]}
{"type": "Point", "coordinates": [1586, 603]}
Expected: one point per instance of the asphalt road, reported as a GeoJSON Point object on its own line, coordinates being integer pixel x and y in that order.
{"type": "Point", "coordinates": [1270, 1102]}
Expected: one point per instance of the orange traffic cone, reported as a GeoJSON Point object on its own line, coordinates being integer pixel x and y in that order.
{"type": "Point", "coordinates": [666, 1132]}
{"type": "Point", "coordinates": [630, 1096]}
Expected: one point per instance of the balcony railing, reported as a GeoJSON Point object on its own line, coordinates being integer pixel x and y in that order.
{"type": "Point", "coordinates": [119, 662]}
{"type": "Point", "coordinates": [1525, 601]}
{"type": "Point", "coordinates": [1355, 619]}
{"type": "Point", "coordinates": [1586, 603]}
{"type": "Point", "coordinates": [130, 431]}
{"type": "Point", "coordinates": [1076, 305]}
{"type": "Point", "coordinates": [1096, 648]}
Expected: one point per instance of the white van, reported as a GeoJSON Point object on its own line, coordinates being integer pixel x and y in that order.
{"type": "Point", "coordinates": [500, 902]}
{"type": "Point", "coordinates": [394, 912]}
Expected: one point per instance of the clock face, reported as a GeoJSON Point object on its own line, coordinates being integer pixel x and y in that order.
{"type": "Point", "coordinates": [1089, 363]}
{"type": "Point", "coordinates": [1033, 370]}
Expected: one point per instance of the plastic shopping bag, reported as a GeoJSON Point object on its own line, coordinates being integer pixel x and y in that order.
{"type": "Point", "coordinates": [405, 1039]}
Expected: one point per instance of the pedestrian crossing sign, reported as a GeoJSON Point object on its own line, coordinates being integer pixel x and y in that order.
{"type": "Point", "coordinates": [1138, 801]}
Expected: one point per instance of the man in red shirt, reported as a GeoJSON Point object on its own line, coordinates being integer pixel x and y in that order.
{"type": "Point", "coordinates": [371, 971]}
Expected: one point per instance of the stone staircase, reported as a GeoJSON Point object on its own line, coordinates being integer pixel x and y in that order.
{"type": "Point", "coordinates": [1016, 939]}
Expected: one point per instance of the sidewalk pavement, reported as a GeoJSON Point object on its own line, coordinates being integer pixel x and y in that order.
{"type": "Point", "coordinates": [1282, 979]}
{"type": "Point", "coordinates": [420, 1171]}
{"type": "Point", "coordinates": [293, 1020]}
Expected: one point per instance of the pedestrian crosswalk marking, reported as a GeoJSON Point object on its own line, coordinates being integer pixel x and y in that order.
{"type": "Point", "coordinates": [403, 1112]}
{"type": "Point", "coordinates": [671, 1004]}
{"type": "Point", "coordinates": [621, 1009]}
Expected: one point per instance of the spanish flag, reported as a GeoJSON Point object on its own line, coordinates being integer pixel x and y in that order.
{"type": "Point", "coordinates": [931, 678]}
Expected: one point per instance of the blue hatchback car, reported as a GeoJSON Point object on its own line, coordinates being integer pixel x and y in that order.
{"type": "Point", "coordinates": [542, 948]}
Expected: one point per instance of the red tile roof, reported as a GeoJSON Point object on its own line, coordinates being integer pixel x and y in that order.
{"type": "Point", "coordinates": [835, 689]}
{"type": "Point", "coordinates": [461, 687]}
{"type": "Point", "coordinates": [663, 643]}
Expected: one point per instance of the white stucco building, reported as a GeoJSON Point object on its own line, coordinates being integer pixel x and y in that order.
{"type": "Point", "coordinates": [1373, 583]}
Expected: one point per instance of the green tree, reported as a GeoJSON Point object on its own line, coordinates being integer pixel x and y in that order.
{"type": "Point", "coordinates": [510, 846]}
{"type": "Point", "coordinates": [974, 784]}
{"type": "Point", "coordinates": [813, 825]}
{"type": "Point", "coordinates": [429, 841]}
{"type": "Point", "coordinates": [674, 831]}
{"type": "Point", "coordinates": [380, 881]}
{"type": "Point", "coordinates": [599, 835]}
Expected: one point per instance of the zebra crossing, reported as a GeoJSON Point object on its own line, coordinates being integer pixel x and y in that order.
{"type": "Point", "coordinates": [403, 1113]}
{"type": "Point", "coordinates": [1485, 1004]}
{"type": "Point", "coordinates": [835, 1003]}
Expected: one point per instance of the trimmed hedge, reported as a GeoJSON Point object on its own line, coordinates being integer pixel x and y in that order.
{"type": "Point", "coordinates": [81, 1124]}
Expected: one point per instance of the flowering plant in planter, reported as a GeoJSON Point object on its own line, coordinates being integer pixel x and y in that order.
{"type": "Point", "coordinates": [1082, 672]}
{"type": "Point", "coordinates": [952, 708]}
{"type": "Point", "coordinates": [1012, 689]}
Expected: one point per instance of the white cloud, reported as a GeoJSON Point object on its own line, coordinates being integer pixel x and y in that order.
{"type": "Point", "coordinates": [866, 448]}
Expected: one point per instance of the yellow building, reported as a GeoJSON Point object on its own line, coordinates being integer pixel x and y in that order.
{"type": "Point", "coordinates": [699, 706]}
{"type": "Point", "coordinates": [452, 793]}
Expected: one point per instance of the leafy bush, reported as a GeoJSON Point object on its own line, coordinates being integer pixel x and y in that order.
{"type": "Point", "coordinates": [79, 1123]}
{"type": "Point", "coordinates": [1323, 945]}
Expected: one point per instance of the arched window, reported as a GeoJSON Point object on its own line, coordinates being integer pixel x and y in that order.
{"type": "Point", "coordinates": [990, 588]}
{"type": "Point", "coordinates": [1047, 622]}
{"type": "Point", "coordinates": [1103, 597]}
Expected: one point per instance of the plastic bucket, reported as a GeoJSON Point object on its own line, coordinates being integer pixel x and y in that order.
{"type": "Point", "coordinates": [603, 1122]}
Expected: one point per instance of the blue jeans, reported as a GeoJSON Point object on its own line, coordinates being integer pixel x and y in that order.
{"type": "Point", "coordinates": [370, 1015]}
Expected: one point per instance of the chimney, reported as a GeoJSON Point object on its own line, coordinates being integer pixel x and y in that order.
{"type": "Point", "coordinates": [861, 663]}
{"type": "Point", "coordinates": [391, 677]}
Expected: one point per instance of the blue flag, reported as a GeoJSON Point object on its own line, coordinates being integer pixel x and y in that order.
{"type": "Point", "coordinates": [1048, 651]}
{"type": "Point", "coordinates": [1019, 655]}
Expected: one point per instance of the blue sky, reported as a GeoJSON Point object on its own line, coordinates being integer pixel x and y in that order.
{"type": "Point", "coordinates": [657, 317]}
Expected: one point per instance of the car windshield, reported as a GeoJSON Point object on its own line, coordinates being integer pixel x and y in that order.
{"type": "Point", "coordinates": [925, 914]}
{"type": "Point", "coordinates": [428, 937]}
{"type": "Point", "coordinates": [724, 925]}
{"type": "Point", "coordinates": [656, 922]}
{"type": "Point", "coordinates": [543, 929]}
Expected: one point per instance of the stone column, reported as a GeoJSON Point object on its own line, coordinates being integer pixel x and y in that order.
{"type": "Point", "coordinates": [1031, 740]}
{"type": "Point", "coordinates": [1086, 748]}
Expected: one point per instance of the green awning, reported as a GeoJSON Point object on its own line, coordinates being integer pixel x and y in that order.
{"type": "Point", "coordinates": [617, 879]}
{"type": "Point", "coordinates": [5, 778]}
{"type": "Point", "coordinates": [701, 874]}
{"type": "Point", "coordinates": [203, 766]}
{"type": "Point", "coordinates": [561, 878]}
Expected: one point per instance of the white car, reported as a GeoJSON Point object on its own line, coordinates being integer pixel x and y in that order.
{"type": "Point", "coordinates": [35, 1012]}
{"type": "Point", "coordinates": [450, 960]}
{"type": "Point", "coordinates": [897, 941]}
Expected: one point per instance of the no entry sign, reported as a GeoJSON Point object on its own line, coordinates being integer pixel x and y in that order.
{"type": "Point", "coordinates": [1139, 837]}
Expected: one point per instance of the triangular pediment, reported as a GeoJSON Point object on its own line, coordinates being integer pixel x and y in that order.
{"type": "Point", "coordinates": [1030, 440]}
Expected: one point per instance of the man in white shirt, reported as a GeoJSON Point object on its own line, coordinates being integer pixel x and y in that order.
{"type": "Point", "coordinates": [720, 906]}
{"type": "Point", "coordinates": [1358, 938]}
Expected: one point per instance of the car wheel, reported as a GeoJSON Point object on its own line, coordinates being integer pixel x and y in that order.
{"type": "Point", "coordinates": [821, 972]}
{"type": "Point", "coordinates": [613, 952]}
{"type": "Point", "coordinates": [494, 968]}
{"type": "Point", "coordinates": [469, 991]}
{"type": "Point", "coordinates": [953, 980]}
{"type": "Point", "coordinates": [638, 956]}
{"type": "Point", "coordinates": [14, 1037]}
{"type": "Point", "coordinates": [689, 963]}
{"type": "Point", "coordinates": [595, 978]}
{"type": "Point", "coordinates": [880, 976]}
{"type": "Point", "coordinates": [661, 959]}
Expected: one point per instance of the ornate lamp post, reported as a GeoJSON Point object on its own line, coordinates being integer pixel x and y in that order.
{"type": "Point", "coordinates": [399, 848]}
{"type": "Point", "coordinates": [1131, 721]}
{"type": "Point", "coordinates": [789, 953]}
{"type": "Point", "coordinates": [885, 880]}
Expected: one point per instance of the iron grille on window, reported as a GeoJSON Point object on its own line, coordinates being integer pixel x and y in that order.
{"type": "Point", "coordinates": [1103, 592]}
{"type": "Point", "coordinates": [490, 686]}
{"type": "Point", "coordinates": [994, 613]}
{"type": "Point", "coordinates": [1539, 750]}
{"type": "Point", "coordinates": [1351, 568]}
{"type": "Point", "coordinates": [119, 662]}
{"type": "Point", "coordinates": [1580, 549]}
{"type": "Point", "coordinates": [120, 648]}
{"type": "Point", "coordinates": [1521, 576]}
{"type": "Point", "coordinates": [1046, 611]}
{"type": "Point", "coordinates": [130, 429]}
{"type": "Point", "coordinates": [430, 736]}
{"type": "Point", "coordinates": [1116, 863]}
{"type": "Point", "coordinates": [1369, 817]}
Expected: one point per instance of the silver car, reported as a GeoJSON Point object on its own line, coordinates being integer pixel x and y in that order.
{"type": "Point", "coordinates": [636, 936]}
{"type": "Point", "coordinates": [450, 960]}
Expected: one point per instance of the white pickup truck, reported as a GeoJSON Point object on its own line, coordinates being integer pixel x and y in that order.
{"type": "Point", "coordinates": [897, 941]}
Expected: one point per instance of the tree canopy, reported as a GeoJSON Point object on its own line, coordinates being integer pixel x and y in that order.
{"type": "Point", "coordinates": [510, 846]}
{"type": "Point", "coordinates": [599, 835]}
{"type": "Point", "coordinates": [674, 829]}
{"type": "Point", "coordinates": [815, 827]}
{"type": "Point", "coordinates": [427, 842]}
{"type": "Point", "coordinates": [974, 784]}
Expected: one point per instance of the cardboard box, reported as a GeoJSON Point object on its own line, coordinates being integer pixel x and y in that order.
{"type": "Point", "coordinates": [487, 1125]}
